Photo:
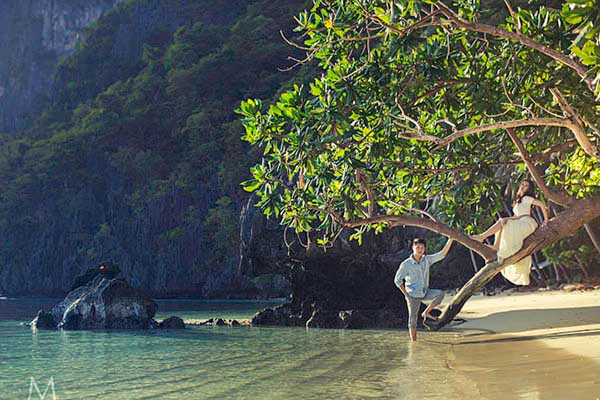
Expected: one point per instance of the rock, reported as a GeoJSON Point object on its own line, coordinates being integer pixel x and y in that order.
{"type": "Point", "coordinates": [235, 322]}
{"type": "Point", "coordinates": [356, 319]}
{"type": "Point", "coordinates": [172, 322]}
{"type": "Point", "coordinates": [44, 320]}
{"type": "Point", "coordinates": [571, 287]}
{"type": "Point", "coordinates": [281, 315]}
{"type": "Point", "coordinates": [325, 319]}
{"type": "Point", "coordinates": [108, 271]}
{"type": "Point", "coordinates": [219, 322]}
{"type": "Point", "coordinates": [349, 286]}
{"type": "Point", "coordinates": [271, 285]}
{"type": "Point", "coordinates": [105, 304]}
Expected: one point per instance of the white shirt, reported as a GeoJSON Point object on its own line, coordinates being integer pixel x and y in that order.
{"type": "Point", "coordinates": [416, 274]}
{"type": "Point", "coordinates": [524, 207]}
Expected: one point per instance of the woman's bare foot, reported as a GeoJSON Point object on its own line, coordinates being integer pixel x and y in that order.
{"type": "Point", "coordinates": [477, 238]}
{"type": "Point", "coordinates": [428, 315]}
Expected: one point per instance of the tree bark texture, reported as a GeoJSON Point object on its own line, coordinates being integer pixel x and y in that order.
{"type": "Point", "coordinates": [563, 225]}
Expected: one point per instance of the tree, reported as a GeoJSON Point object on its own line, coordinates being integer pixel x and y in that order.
{"type": "Point", "coordinates": [426, 116]}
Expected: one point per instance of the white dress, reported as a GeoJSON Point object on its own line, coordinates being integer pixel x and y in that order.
{"type": "Point", "coordinates": [514, 233]}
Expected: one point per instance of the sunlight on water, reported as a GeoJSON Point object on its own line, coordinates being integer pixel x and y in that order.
{"type": "Point", "coordinates": [208, 362]}
{"type": "Point", "coordinates": [203, 362]}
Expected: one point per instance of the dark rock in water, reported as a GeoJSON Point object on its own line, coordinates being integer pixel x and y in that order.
{"type": "Point", "coordinates": [219, 322]}
{"type": "Point", "coordinates": [280, 315]}
{"type": "Point", "coordinates": [43, 320]}
{"type": "Point", "coordinates": [349, 286]}
{"type": "Point", "coordinates": [341, 290]}
{"type": "Point", "coordinates": [172, 322]}
{"type": "Point", "coordinates": [358, 319]}
{"type": "Point", "coordinates": [105, 304]}
{"type": "Point", "coordinates": [324, 319]}
{"type": "Point", "coordinates": [108, 271]}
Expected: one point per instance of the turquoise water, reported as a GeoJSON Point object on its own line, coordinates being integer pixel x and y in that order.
{"type": "Point", "coordinates": [203, 362]}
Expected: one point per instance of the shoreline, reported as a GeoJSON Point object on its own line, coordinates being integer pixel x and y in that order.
{"type": "Point", "coordinates": [529, 345]}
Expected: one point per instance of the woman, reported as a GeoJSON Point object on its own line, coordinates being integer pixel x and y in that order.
{"type": "Point", "coordinates": [511, 232]}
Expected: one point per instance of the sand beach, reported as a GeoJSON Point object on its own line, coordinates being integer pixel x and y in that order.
{"type": "Point", "coordinates": [533, 345]}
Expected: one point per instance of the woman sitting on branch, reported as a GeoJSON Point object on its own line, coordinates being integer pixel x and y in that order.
{"type": "Point", "coordinates": [511, 232]}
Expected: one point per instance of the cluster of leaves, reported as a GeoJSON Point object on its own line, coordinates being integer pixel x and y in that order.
{"type": "Point", "coordinates": [584, 18]}
{"type": "Point", "coordinates": [364, 138]}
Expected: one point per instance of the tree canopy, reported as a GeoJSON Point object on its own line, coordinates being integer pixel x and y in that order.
{"type": "Point", "coordinates": [426, 115]}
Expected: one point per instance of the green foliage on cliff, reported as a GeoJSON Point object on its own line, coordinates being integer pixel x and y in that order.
{"type": "Point", "coordinates": [138, 158]}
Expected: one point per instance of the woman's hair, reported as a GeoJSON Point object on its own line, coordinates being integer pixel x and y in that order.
{"type": "Point", "coordinates": [530, 192]}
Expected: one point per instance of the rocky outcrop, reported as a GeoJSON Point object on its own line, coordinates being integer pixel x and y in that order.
{"type": "Point", "coordinates": [142, 203]}
{"type": "Point", "coordinates": [44, 320]}
{"type": "Point", "coordinates": [172, 322]}
{"type": "Point", "coordinates": [100, 300]}
{"type": "Point", "coordinates": [106, 270]}
{"type": "Point", "coordinates": [349, 286]}
{"type": "Point", "coordinates": [105, 304]}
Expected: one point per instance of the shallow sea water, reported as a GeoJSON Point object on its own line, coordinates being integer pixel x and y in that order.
{"type": "Point", "coordinates": [202, 362]}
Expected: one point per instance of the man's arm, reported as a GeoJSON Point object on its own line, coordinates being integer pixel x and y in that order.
{"type": "Point", "coordinates": [399, 280]}
{"type": "Point", "coordinates": [435, 257]}
{"type": "Point", "coordinates": [403, 290]}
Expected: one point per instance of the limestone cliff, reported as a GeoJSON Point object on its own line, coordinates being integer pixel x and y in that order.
{"type": "Point", "coordinates": [34, 36]}
{"type": "Point", "coordinates": [135, 157]}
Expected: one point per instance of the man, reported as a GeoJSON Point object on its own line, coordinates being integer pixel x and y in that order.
{"type": "Point", "coordinates": [415, 271]}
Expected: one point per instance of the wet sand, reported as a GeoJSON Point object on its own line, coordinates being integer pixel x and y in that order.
{"type": "Point", "coordinates": [537, 345]}
{"type": "Point", "coordinates": [540, 345]}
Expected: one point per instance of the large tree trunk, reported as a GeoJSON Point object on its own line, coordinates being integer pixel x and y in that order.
{"type": "Point", "coordinates": [564, 224]}
{"type": "Point", "coordinates": [593, 237]}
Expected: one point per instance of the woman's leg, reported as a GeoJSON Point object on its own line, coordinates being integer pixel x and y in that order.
{"type": "Point", "coordinates": [497, 227]}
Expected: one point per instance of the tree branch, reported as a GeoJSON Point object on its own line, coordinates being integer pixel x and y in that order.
{"type": "Point", "coordinates": [557, 148]}
{"type": "Point", "coordinates": [577, 125]}
{"type": "Point", "coordinates": [416, 210]}
{"type": "Point", "coordinates": [563, 225]}
{"type": "Point", "coordinates": [512, 15]}
{"type": "Point", "coordinates": [461, 168]}
{"type": "Point", "coordinates": [364, 186]}
{"type": "Point", "coordinates": [557, 197]}
{"type": "Point", "coordinates": [575, 65]}
{"type": "Point", "coordinates": [455, 20]}
{"type": "Point", "coordinates": [504, 125]}
{"type": "Point", "coordinates": [406, 220]}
